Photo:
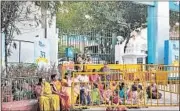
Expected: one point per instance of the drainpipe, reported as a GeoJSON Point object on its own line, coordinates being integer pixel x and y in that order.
{"type": "Point", "coordinates": [45, 29]}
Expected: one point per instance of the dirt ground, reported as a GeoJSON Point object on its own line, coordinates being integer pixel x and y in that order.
{"type": "Point", "coordinates": [140, 109]}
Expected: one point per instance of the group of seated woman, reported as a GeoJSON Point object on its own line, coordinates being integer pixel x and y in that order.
{"type": "Point", "coordinates": [97, 91]}
{"type": "Point", "coordinates": [53, 95]}
{"type": "Point", "coordinates": [87, 90]}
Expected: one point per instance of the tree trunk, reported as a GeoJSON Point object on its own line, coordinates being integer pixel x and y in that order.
{"type": "Point", "coordinates": [6, 52]}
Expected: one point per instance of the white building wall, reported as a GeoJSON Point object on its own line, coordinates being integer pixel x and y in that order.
{"type": "Point", "coordinates": [162, 30]}
{"type": "Point", "coordinates": [31, 32]}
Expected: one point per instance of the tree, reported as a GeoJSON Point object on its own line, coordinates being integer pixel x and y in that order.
{"type": "Point", "coordinates": [116, 15]}
{"type": "Point", "coordinates": [13, 12]}
{"type": "Point", "coordinates": [121, 17]}
{"type": "Point", "coordinates": [74, 15]}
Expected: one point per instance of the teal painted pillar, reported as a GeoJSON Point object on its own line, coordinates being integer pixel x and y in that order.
{"type": "Point", "coordinates": [152, 32]}
{"type": "Point", "coordinates": [158, 31]}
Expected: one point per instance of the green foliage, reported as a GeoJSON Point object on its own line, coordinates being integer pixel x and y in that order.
{"type": "Point", "coordinates": [72, 16]}
{"type": "Point", "coordinates": [115, 15]}
{"type": "Point", "coordinates": [120, 17]}
{"type": "Point", "coordinates": [174, 17]}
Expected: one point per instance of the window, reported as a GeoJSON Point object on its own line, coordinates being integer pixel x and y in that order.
{"type": "Point", "coordinates": [176, 57]}
{"type": "Point", "coordinates": [139, 60]}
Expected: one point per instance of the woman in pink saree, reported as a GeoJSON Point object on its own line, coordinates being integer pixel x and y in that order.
{"type": "Point", "coordinates": [107, 95]}
{"type": "Point", "coordinates": [101, 87]}
{"type": "Point", "coordinates": [59, 89]}
{"type": "Point", "coordinates": [94, 78]}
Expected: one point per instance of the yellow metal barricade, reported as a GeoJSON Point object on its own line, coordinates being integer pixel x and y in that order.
{"type": "Point", "coordinates": [165, 93]}
{"type": "Point", "coordinates": [89, 67]}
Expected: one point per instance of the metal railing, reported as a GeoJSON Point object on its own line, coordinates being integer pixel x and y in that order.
{"type": "Point", "coordinates": [148, 92]}
{"type": "Point", "coordinates": [16, 89]}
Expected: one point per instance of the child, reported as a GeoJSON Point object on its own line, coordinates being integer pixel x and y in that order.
{"type": "Point", "coordinates": [122, 92]}
{"type": "Point", "coordinates": [132, 95]}
{"type": "Point", "coordinates": [84, 94]}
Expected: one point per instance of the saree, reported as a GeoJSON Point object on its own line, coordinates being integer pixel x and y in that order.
{"type": "Point", "coordinates": [95, 96]}
{"type": "Point", "coordinates": [47, 100]}
{"type": "Point", "coordinates": [63, 94]}
{"type": "Point", "coordinates": [131, 97]}
{"type": "Point", "coordinates": [140, 97]}
{"type": "Point", "coordinates": [94, 78]}
{"type": "Point", "coordinates": [101, 90]}
{"type": "Point", "coordinates": [153, 93]}
{"type": "Point", "coordinates": [108, 95]}
{"type": "Point", "coordinates": [76, 91]}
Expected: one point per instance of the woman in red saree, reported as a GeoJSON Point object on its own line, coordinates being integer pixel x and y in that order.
{"type": "Point", "coordinates": [58, 88]}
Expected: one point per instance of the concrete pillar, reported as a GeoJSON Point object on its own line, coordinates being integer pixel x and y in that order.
{"type": "Point", "coordinates": [158, 31]}
{"type": "Point", "coordinates": [162, 30]}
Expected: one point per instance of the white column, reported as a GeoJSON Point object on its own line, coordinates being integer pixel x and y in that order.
{"type": "Point", "coordinates": [162, 30]}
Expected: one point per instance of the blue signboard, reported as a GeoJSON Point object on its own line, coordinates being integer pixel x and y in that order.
{"type": "Point", "coordinates": [42, 54]}
{"type": "Point", "coordinates": [174, 6]}
{"type": "Point", "coordinates": [69, 52]}
{"type": "Point", "coordinates": [171, 52]}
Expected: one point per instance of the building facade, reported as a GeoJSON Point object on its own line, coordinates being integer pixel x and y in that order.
{"type": "Point", "coordinates": [34, 34]}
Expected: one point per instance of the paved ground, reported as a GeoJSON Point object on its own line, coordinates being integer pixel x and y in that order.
{"type": "Point", "coordinates": [166, 99]}
{"type": "Point", "coordinates": [140, 109]}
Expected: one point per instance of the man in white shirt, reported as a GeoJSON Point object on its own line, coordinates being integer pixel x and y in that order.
{"type": "Point", "coordinates": [83, 79]}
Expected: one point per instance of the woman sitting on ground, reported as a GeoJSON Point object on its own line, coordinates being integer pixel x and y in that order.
{"type": "Point", "coordinates": [101, 87]}
{"type": "Point", "coordinates": [95, 95]}
{"type": "Point", "coordinates": [108, 93]}
{"type": "Point", "coordinates": [140, 96]}
{"type": "Point", "coordinates": [132, 94]}
{"type": "Point", "coordinates": [122, 92]}
{"type": "Point", "coordinates": [47, 100]}
{"type": "Point", "coordinates": [152, 91]}
{"type": "Point", "coordinates": [116, 99]}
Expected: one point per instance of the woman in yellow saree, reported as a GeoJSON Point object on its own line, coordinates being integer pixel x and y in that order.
{"type": "Point", "coordinates": [59, 89]}
{"type": "Point", "coordinates": [76, 89]}
{"type": "Point", "coordinates": [47, 100]}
